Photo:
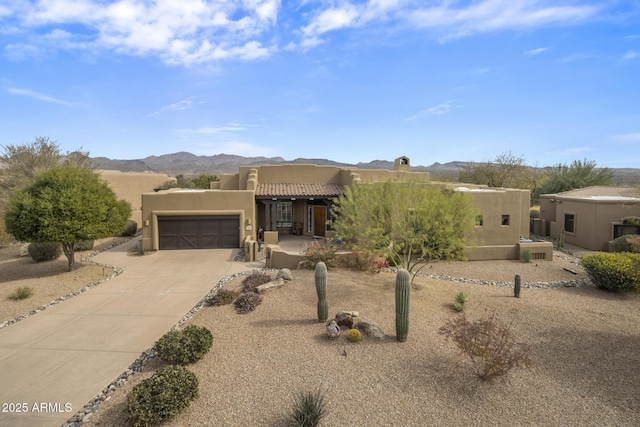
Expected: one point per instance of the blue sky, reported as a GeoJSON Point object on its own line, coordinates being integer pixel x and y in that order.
{"type": "Point", "coordinates": [352, 81]}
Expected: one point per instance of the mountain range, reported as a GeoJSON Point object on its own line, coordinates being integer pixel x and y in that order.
{"type": "Point", "coordinates": [189, 164]}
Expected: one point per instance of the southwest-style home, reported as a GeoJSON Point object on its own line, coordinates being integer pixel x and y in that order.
{"type": "Point", "coordinates": [591, 217]}
{"type": "Point", "coordinates": [297, 199]}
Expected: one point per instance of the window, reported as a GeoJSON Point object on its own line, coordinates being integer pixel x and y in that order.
{"type": "Point", "coordinates": [284, 215]}
{"type": "Point", "coordinates": [570, 223]}
{"type": "Point", "coordinates": [628, 226]}
{"type": "Point", "coordinates": [479, 220]}
{"type": "Point", "coordinates": [505, 220]}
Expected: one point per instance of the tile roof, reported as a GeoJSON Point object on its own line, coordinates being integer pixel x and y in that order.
{"type": "Point", "coordinates": [602, 192]}
{"type": "Point", "coordinates": [286, 189]}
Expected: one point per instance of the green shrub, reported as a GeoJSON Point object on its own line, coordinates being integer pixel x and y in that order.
{"type": "Point", "coordinates": [87, 245]}
{"type": "Point", "coordinates": [534, 212]}
{"type": "Point", "coordinates": [526, 255]}
{"type": "Point", "coordinates": [255, 279]}
{"type": "Point", "coordinates": [161, 397]}
{"type": "Point", "coordinates": [491, 346]}
{"type": "Point", "coordinates": [130, 229]}
{"type": "Point", "coordinates": [460, 299]}
{"type": "Point", "coordinates": [320, 250]}
{"type": "Point", "coordinates": [626, 243]}
{"type": "Point", "coordinates": [187, 345]}
{"type": "Point", "coordinates": [222, 297]}
{"type": "Point", "coordinates": [247, 302]}
{"type": "Point", "coordinates": [44, 251]}
{"type": "Point", "coordinates": [309, 408]}
{"type": "Point", "coordinates": [613, 271]}
{"type": "Point", "coordinates": [21, 293]}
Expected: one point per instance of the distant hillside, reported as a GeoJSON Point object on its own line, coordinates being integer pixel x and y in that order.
{"type": "Point", "coordinates": [189, 164]}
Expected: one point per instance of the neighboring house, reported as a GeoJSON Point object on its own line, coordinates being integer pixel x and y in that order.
{"type": "Point", "coordinates": [129, 186]}
{"type": "Point", "coordinates": [297, 199]}
{"type": "Point", "coordinates": [592, 216]}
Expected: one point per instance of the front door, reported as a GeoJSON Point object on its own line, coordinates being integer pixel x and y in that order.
{"type": "Point", "coordinates": [319, 220]}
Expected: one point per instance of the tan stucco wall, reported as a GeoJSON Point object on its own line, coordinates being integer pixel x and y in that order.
{"type": "Point", "coordinates": [494, 203]}
{"type": "Point", "coordinates": [491, 241]}
{"type": "Point", "coordinates": [196, 202]}
{"type": "Point", "coordinates": [593, 219]}
{"type": "Point", "coordinates": [129, 186]}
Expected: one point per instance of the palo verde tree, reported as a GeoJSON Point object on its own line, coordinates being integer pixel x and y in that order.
{"type": "Point", "coordinates": [579, 174]}
{"type": "Point", "coordinates": [506, 170]}
{"type": "Point", "coordinates": [409, 222]}
{"type": "Point", "coordinates": [66, 204]}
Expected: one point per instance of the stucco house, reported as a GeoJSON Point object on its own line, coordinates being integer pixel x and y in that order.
{"type": "Point", "coordinates": [297, 199]}
{"type": "Point", "coordinates": [592, 216]}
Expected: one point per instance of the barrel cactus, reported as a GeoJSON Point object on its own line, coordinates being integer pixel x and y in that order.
{"type": "Point", "coordinates": [321, 288]}
{"type": "Point", "coordinates": [516, 287]}
{"type": "Point", "coordinates": [354, 335]}
{"type": "Point", "coordinates": [403, 292]}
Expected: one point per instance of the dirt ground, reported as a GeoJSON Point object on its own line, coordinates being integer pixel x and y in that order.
{"type": "Point", "coordinates": [585, 350]}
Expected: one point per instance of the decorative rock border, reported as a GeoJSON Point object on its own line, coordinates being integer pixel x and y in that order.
{"type": "Point", "coordinates": [533, 285]}
{"type": "Point", "coordinates": [83, 258]}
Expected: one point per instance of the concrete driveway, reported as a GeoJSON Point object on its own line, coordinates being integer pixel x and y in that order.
{"type": "Point", "coordinates": [54, 362]}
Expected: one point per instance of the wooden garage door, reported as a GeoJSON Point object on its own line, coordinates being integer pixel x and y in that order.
{"type": "Point", "coordinates": [198, 232]}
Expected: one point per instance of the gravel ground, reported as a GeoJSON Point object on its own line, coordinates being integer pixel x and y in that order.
{"type": "Point", "coordinates": [585, 350]}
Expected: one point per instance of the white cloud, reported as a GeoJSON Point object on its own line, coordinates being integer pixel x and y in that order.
{"type": "Point", "coordinates": [632, 54]}
{"type": "Point", "coordinates": [185, 104]}
{"type": "Point", "coordinates": [211, 131]}
{"type": "Point", "coordinates": [38, 96]}
{"type": "Point", "coordinates": [191, 32]}
{"type": "Point", "coordinates": [627, 137]}
{"type": "Point", "coordinates": [448, 19]}
{"type": "Point", "coordinates": [180, 32]}
{"type": "Point", "coordinates": [538, 51]}
{"type": "Point", "coordinates": [436, 110]}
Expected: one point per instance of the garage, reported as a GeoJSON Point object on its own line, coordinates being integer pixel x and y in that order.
{"type": "Point", "coordinates": [198, 232]}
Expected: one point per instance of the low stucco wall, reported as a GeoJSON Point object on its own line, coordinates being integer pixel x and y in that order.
{"type": "Point", "coordinates": [539, 250]}
{"type": "Point", "coordinates": [486, 253]}
{"type": "Point", "coordinates": [277, 258]}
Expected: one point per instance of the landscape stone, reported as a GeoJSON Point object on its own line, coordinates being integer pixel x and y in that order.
{"type": "Point", "coordinates": [270, 285]}
{"type": "Point", "coordinates": [285, 273]}
{"type": "Point", "coordinates": [370, 329]}
{"type": "Point", "coordinates": [347, 319]}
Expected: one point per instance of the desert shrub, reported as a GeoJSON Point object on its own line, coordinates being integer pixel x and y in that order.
{"type": "Point", "coordinates": [162, 396]}
{"type": "Point", "coordinates": [44, 251]}
{"type": "Point", "coordinates": [255, 279]}
{"type": "Point", "coordinates": [130, 229]}
{"type": "Point", "coordinates": [187, 345]}
{"type": "Point", "coordinates": [460, 299]}
{"type": "Point", "coordinates": [618, 271]}
{"type": "Point", "coordinates": [534, 212]}
{"type": "Point", "coordinates": [626, 243]}
{"type": "Point", "coordinates": [526, 255]}
{"type": "Point", "coordinates": [222, 297]}
{"type": "Point", "coordinates": [21, 293]}
{"type": "Point", "coordinates": [247, 302]}
{"type": "Point", "coordinates": [320, 250]}
{"type": "Point", "coordinates": [489, 344]}
{"type": "Point", "coordinates": [309, 407]}
{"type": "Point", "coordinates": [362, 261]}
{"type": "Point", "coordinates": [86, 245]}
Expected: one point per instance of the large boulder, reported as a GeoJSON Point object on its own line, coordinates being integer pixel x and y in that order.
{"type": "Point", "coordinates": [347, 319]}
{"type": "Point", "coordinates": [370, 329]}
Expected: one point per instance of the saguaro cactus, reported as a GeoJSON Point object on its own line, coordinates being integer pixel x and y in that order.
{"type": "Point", "coordinates": [403, 292]}
{"type": "Point", "coordinates": [516, 287]}
{"type": "Point", "coordinates": [321, 288]}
